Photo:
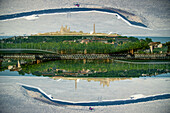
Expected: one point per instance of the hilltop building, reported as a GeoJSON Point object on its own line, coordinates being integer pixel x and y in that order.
{"type": "Point", "coordinates": [64, 29]}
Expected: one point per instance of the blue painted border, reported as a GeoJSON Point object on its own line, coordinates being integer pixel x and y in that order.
{"type": "Point", "coordinates": [103, 103]}
{"type": "Point", "coordinates": [63, 10]}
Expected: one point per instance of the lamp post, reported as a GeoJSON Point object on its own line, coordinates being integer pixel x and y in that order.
{"type": "Point", "coordinates": [20, 43]}
{"type": "Point", "coordinates": [2, 44]}
{"type": "Point", "coordinates": [15, 42]}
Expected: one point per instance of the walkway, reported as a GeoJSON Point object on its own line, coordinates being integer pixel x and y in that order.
{"type": "Point", "coordinates": [65, 10]}
{"type": "Point", "coordinates": [96, 103]}
{"type": "Point", "coordinates": [18, 50]}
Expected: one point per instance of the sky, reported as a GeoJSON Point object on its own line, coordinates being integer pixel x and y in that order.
{"type": "Point", "coordinates": [154, 13]}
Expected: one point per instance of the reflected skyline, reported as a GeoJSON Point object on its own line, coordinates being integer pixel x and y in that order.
{"type": "Point", "coordinates": [105, 82]}
{"type": "Point", "coordinates": [92, 68]}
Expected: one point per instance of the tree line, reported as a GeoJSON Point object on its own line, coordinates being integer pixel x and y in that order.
{"type": "Point", "coordinates": [80, 48]}
{"type": "Point", "coordinates": [103, 69]}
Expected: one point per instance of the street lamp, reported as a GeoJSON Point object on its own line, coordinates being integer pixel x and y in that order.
{"type": "Point", "coordinates": [2, 44]}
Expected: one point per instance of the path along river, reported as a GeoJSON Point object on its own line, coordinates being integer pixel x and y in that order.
{"type": "Point", "coordinates": [70, 10]}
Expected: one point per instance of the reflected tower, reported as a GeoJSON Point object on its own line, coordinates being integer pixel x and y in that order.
{"type": "Point", "coordinates": [75, 84]}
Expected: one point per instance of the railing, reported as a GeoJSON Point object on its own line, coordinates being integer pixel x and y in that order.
{"type": "Point", "coordinates": [85, 56]}
{"type": "Point", "coordinates": [25, 50]}
{"type": "Point", "coordinates": [45, 54]}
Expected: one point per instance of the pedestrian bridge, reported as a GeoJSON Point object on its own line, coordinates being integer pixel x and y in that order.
{"type": "Point", "coordinates": [28, 51]}
{"type": "Point", "coordinates": [39, 54]}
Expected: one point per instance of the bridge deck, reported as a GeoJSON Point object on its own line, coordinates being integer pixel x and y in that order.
{"type": "Point", "coordinates": [50, 55]}
{"type": "Point", "coordinates": [31, 51]}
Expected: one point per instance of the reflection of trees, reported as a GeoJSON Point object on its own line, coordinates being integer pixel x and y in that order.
{"type": "Point", "coordinates": [97, 68]}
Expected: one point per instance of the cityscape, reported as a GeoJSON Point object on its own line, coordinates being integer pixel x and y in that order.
{"type": "Point", "coordinates": [84, 56]}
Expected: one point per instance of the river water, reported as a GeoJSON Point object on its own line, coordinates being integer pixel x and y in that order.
{"type": "Point", "coordinates": [74, 80]}
{"type": "Point", "coordinates": [92, 89]}
{"type": "Point", "coordinates": [156, 39]}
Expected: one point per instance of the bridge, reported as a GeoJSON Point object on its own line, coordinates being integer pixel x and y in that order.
{"type": "Point", "coordinates": [28, 51]}
{"type": "Point", "coordinates": [38, 54]}
{"type": "Point", "coordinates": [45, 55]}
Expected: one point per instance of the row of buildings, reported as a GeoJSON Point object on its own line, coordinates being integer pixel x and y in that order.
{"type": "Point", "coordinates": [65, 31]}
{"type": "Point", "coordinates": [110, 40]}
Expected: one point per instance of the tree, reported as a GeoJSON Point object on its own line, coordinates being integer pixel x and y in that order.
{"type": "Point", "coordinates": [168, 44]}
{"type": "Point", "coordinates": [148, 40]}
{"type": "Point", "coordinates": [133, 39]}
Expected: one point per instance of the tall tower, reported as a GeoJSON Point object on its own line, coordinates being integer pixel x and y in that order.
{"type": "Point", "coordinates": [94, 29]}
{"type": "Point", "coordinates": [69, 29]}
{"type": "Point", "coordinates": [75, 84]}
{"type": "Point", "coordinates": [61, 29]}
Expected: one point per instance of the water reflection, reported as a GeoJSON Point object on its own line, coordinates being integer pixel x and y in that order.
{"type": "Point", "coordinates": [92, 68]}
{"type": "Point", "coordinates": [103, 81]}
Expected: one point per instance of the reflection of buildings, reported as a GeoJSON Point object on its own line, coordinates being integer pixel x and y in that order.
{"type": "Point", "coordinates": [76, 83]}
{"type": "Point", "coordinates": [82, 72]}
{"type": "Point", "coordinates": [10, 67]}
{"type": "Point", "coordinates": [15, 67]}
{"type": "Point", "coordinates": [104, 81]}
{"type": "Point", "coordinates": [63, 72]}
